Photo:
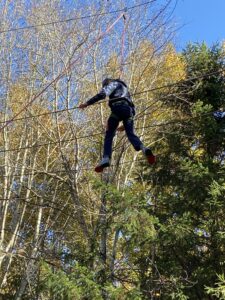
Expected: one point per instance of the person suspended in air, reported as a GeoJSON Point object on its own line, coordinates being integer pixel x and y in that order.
{"type": "Point", "coordinates": [122, 109]}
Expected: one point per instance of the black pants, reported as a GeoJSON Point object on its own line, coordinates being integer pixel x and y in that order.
{"type": "Point", "coordinates": [120, 113]}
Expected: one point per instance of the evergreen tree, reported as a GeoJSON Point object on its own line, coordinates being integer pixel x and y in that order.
{"type": "Point", "coordinates": [187, 185]}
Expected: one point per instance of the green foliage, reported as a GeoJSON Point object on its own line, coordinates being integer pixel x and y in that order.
{"type": "Point", "coordinates": [156, 233]}
{"type": "Point", "coordinates": [201, 60]}
{"type": "Point", "coordinates": [77, 284]}
{"type": "Point", "coordinates": [119, 293]}
{"type": "Point", "coordinates": [204, 78]}
{"type": "Point", "coordinates": [187, 186]}
{"type": "Point", "coordinates": [219, 290]}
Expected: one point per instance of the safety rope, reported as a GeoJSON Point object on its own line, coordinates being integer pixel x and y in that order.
{"type": "Point", "coordinates": [33, 26]}
{"type": "Point", "coordinates": [125, 24]}
{"type": "Point", "coordinates": [68, 67]}
{"type": "Point", "coordinates": [132, 94]}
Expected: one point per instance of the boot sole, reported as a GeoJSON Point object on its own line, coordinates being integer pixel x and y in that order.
{"type": "Point", "coordinates": [150, 157]}
{"type": "Point", "coordinates": [100, 169]}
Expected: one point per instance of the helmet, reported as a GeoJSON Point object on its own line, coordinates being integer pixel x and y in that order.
{"type": "Point", "coordinates": [106, 81]}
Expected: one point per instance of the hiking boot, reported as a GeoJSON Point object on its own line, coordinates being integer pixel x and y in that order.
{"type": "Point", "coordinates": [105, 162]}
{"type": "Point", "coordinates": [149, 155]}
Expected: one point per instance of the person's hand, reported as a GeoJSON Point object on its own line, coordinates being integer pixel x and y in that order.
{"type": "Point", "coordinates": [121, 128]}
{"type": "Point", "coordinates": [82, 105]}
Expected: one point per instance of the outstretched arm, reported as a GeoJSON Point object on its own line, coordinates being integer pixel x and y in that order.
{"type": "Point", "coordinates": [101, 95]}
{"type": "Point", "coordinates": [106, 91]}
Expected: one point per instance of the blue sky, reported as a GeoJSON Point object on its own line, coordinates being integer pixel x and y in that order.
{"type": "Point", "coordinates": [203, 20]}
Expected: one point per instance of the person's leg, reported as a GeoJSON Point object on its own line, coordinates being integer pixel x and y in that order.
{"type": "Point", "coordinates": [135, 141]}
{"type": "Point", "coordinates": [113, 123]}
{"type": "Point", "coordinates": [132, 137]}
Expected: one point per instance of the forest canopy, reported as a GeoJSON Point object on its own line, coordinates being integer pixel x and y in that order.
{"type": "Point", "coordinates": [135, 231]}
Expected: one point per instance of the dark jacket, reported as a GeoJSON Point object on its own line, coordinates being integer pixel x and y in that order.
{"type": "Point", "coordinates": [116, 90]}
